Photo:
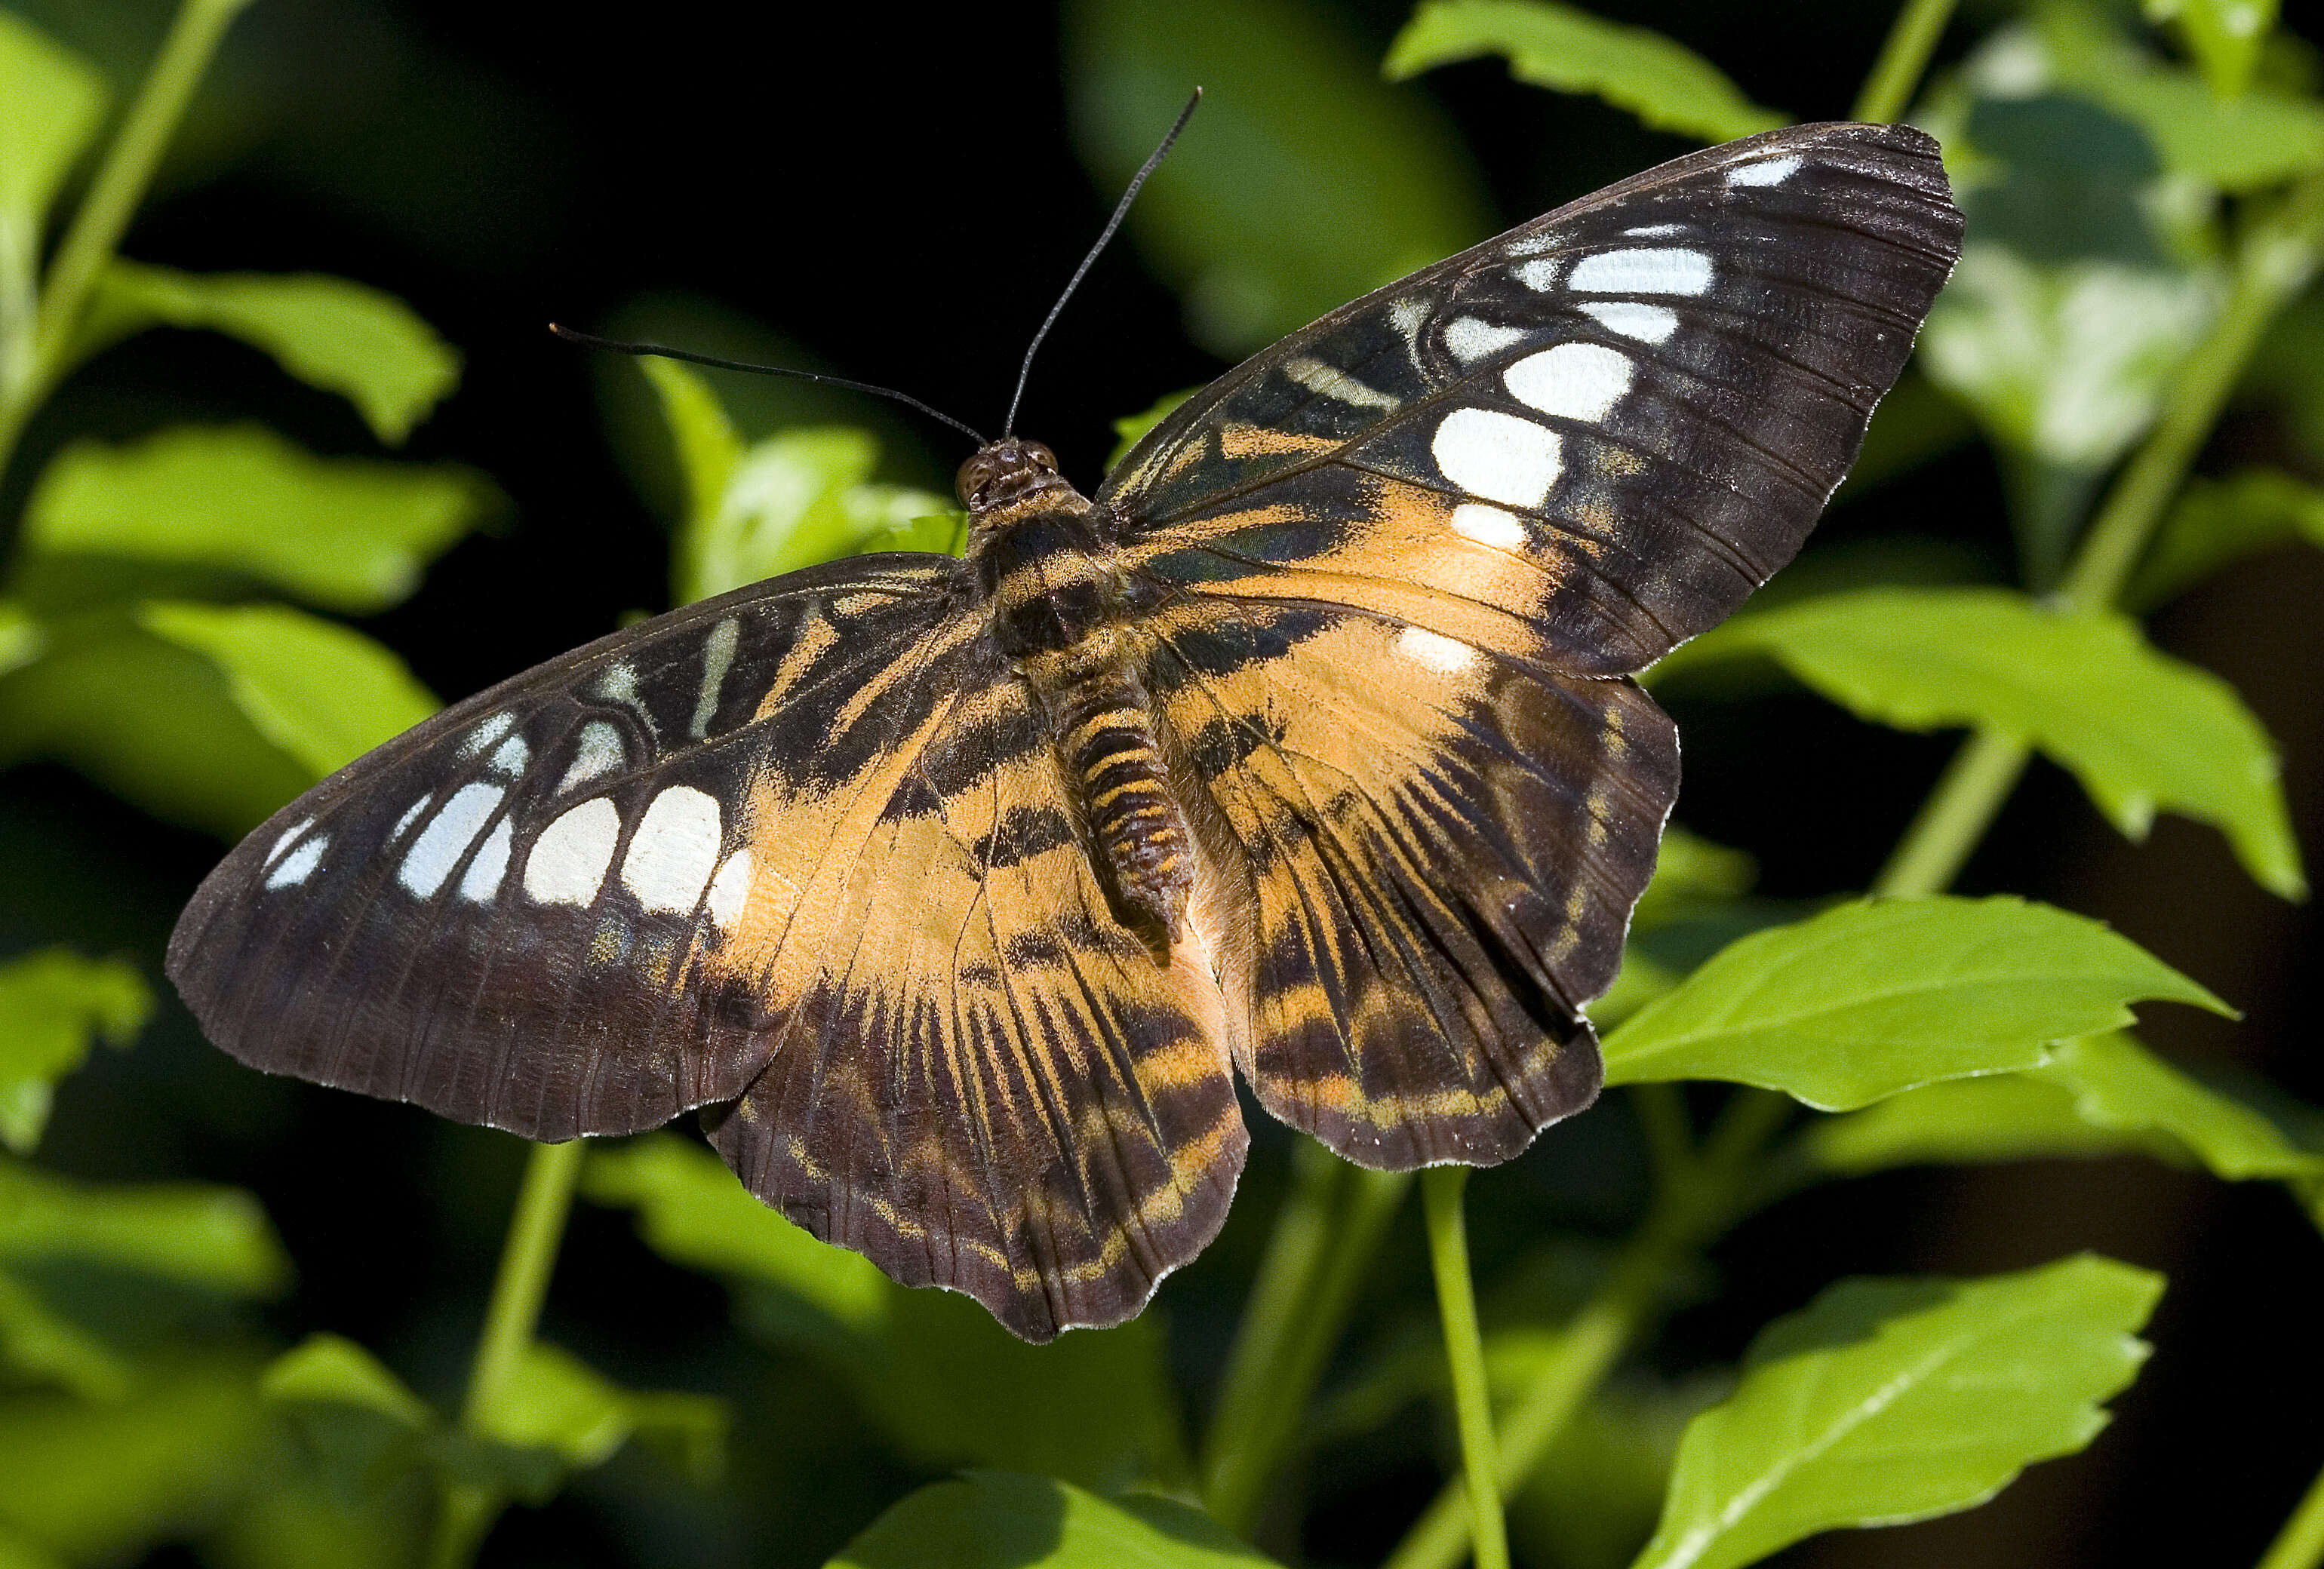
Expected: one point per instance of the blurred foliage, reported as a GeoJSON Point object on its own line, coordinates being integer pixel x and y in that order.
{"type": "Point", "coordinates": [165, 632]}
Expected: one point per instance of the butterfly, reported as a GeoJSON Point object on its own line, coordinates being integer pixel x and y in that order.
{"type": "Point", "coordinates": [955, 893]}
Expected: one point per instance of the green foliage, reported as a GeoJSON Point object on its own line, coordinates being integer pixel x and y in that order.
{"type": "Point", "coordinates": [51, 101]}
{"type": "Point", "coordinates": [348, 533]}
{"type": "Point", "coordinates": [193, 1233]}
{"type": "Point", "coordinates": [2223, 35]}
{"type": "Point", "coordinates": [1303, 182]}
{"type": "Point", "coordinates": [1132, 428]}
{"type": "Point", "coordinates": [559, 1403]}
{"type": "Point", "coordinates": [53, 1005]}
{"type": "Point", "coordinates": [2139, 728]}
{"type": "Point", "coordinates": [1568, 49]}
{"type": "Point", "coordinates": [332, 1369]}
{"type": "Point", "coordinates": [990, 1519]}
{"type": "Point", "coordinates": [1886, 1401]}
{"type": "Point", "coordinates": [1872, 998]}
{"type": "Point", "coordinates": [2217, 523]}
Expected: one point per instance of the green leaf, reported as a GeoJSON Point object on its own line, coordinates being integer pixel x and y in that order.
{"type": "Point", "coordinates": [20, 639]}
{"type": "Point", "coordinates": [1889, 1402]}
{"type": "Point", "coordinates": [1877, 996]}
{"type": "Point", "coordinates": [51, 101]}
{"type": "Point", "coordinates": [342, 337]}
{"type": "Point", "coordinates": [53, 1006]}
{"type": "Point", "coordinates": [1593, 1500]}
{"type": "Point", "coordinates": [557, 1402]}
{"type": "Point", "coordinates": [797, 499]}
{"type": "Point", "coordinates": [2215, 523]}
{"type": "Point", "coordinates": [2142, 730]}
{"type": "Point", "coordinates": [45, 1347]}
{"type": "Point", "coordinates": [1567, 50]}
{"type": "Point", "coordinates": [1132, 428]}
{"type": "Point", "coordinates": [704, 438]}
{"type": "Point", "coordinates": [2223, 35]}
{"type": "Point", "coordinates": [324, 694]}
{"type": "Point", "coordinates": [693, 1212]}
{"type": "Point", "coordinates": [332, 1369]}
{"type": "Point", "coordinates": [21, 1551]}
{"type": "Point", "coordinates": [1304, 181]}
{"type": "Point", "coordinates": [213, 1237]}
{"type": "Point", "coordinates": [990, 1519]}
{"type": "Point", "coordinates": [1691, 875]}
{"type": "Point", "coordinates": [351, 534]}
{"type": "Point", "coordinates": [100, 1483]}
{"type": "Point", "coordinates": [2102, 1095]}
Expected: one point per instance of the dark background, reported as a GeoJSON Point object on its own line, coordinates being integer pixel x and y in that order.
{"type": "Point", "coordinates": [897, 197]}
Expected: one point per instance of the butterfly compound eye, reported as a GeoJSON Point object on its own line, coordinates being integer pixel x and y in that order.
{"type": "Point", "coordinates": [1003, 471]}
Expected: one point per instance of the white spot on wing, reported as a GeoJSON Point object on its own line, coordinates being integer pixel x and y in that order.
{"type": "Point", "coordinates": [1656, 231]}
{"type": "Point", "coordinates": [1532, 244]}
{"type": "Point", "coordinates": [569, 858]}
{"type": "Point", "coordinates": [729, 890]}
{"type": "Point", "coordinates": [1406, 314]}
{"type": "Point", "coordinates": [283, 843]}
{"type": "Point", "coordinates": [511, 756]}
{"type": "Point", "coordinates": [1542, 276]}
{"type": "Point", "coordinates": [1434, 651]}
{"type": "Point", "coordinates": [1767, 171]}
{"type": "Point", "coordinates": [1648, 270]}
{"type": "Point", "coordinates": [600, 752]}
{"type": "Point", "coordinates": [476, 740]}
{"type": "Point", "coordinates": [410, 815]}
{"type": "Point", "coordinates": [717, 658]}
{"type": "Point", "coordinates": [300, 863]}
{"type": "Point", "coordinates": [1331, 382]}
{"type": "Point", "coordinates": [1499, 457]}
{"type": "Point", "coordinates": [446, 837]}
{"type": "Point", "coordinates": [1649, 323]}
{"type": "Point", "coordinates": [1572, 380]}
{"type": "Point", "coordinates": [1489, 524]}
{"type": "Point", "coordinates": [674, 850]}
{"type": "Point", "coordinates": [482, 880]}
{"type": "Point", "coordinates": [1472, 339]}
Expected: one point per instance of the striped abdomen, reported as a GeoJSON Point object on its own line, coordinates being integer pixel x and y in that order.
{"type": "Point", "coordinates": [1106, 743]}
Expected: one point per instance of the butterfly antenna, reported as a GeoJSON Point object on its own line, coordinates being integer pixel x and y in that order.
{"type": "Point", "coordinates": [1120, 211]}
{"type": "Point", "coordinates": [663, 352]}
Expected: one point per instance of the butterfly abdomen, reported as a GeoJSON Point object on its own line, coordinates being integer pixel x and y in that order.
{"type": "Point", "coordinates": [1106, 744]}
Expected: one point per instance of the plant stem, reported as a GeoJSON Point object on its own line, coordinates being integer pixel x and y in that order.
{"type": "Point", "coordinates": [2300, 1543]}
{"type": "Point", "coordinates": [1441, 1187]}
{"type": "Point", "coordinates": [1326, 1232]}
{"type": "Point", "coordinates": [1903, 57]}
{"type": "Point", "coordinates": [1969, 795]}
{"type": "Point", "coordinates": [527, 1259]}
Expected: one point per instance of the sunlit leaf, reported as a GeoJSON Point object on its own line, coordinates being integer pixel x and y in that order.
{"type": "Point", "coordinates": [1132, 428]}
{"type": "Point", "coordinates": [323, 692]}
{"type": "Point", "coordinates": [2223, 35]}
{"type": "Point", "coordinates": [1564, 48]}
{"type": "Point", "coordinates": [1874, 997]}
{"type": "Point", "coordinates": [2102, 1095]}
{"type": "Point", "coordinates": [18, 1551]}
{"type": "Point", "coordinates": [703, 437]}
{"type": "Point", "coordinates": [352, 533]}
{"type": "Point", "coordinates": [54, 1007]}
{"type": "Point", "coordinates": [51, 101]}
{"type": "Point", "coordinates": [1889, 1402]}
{"type": "Point", "coordinates": [1305, 180]}
{"type": "Point", "coordinates": [332, 1369]}
{"type": "Point", "coordinates": [2142, 730]}
{"type": "Point", "coordinates": [556, 1401]}
{"type": "Point", "coordinates": [21, 641]}
{"type": "Point", "coordinates": [101, 1483]}
{"type": "Point", "coordinates": [990, 1519]}
{"type": "Point", "coordinates": [366, 345]}
{"type": "Point", "coordinates": [191, 1231]}
{"type": "Point", "coordinates": [43, 1346]}
{"type": "Point", "coordinates": [798, 498]}
{"type": "Point", "coordinates": [2215, 523]}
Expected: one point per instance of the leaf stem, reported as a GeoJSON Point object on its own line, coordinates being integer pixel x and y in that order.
{"type": "Point", "coordinates": [1968, 796]}
{"type": "Point", "coordinates": [527, 1259]}
{"type": "Point", "coordinates": [119, 185]}
{"type": "Point", "coordinates": [1903, 57]}
{"type": "Point", "coordinates": [1441, 1190]}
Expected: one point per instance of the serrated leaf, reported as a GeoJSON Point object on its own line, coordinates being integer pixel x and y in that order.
{"type": "Point", "coordinates": [1889, 1402]}
{"type": "Point", "coordinates": [351, 534]}
{"type": "Point", "coordinates": [556, 1401]}
{"type": "Point", "coordinates": [332, 1369]}
{"type": "Point", "coordinates": [2103, 1095]}
{"type": "Point", "coordinates": [1874, 997]}
{"type": "Point", "coordinates": [1567, 49]}
{"type": "Point", "coordinates": [54, 1007]}
{"type": "Point", "coordinates": [51, 102]}
{"type": "Point", "coordinates": [214, 1237]}
{"type": "Point", "coordinates": [797, 499]}
{"type": "Point", "coordinates": [2215, 523]}
{"type": "Point", "coordinates": [990, 1519]}
{"type": "Point", "coordinates": [323, 692]}
{"type": "Point", "coordinates": [1304, 181]}
{"type": "Point", "coordinates": [331, 333]}
{"type": "Point", "coordinates": [2223, 35]}
{"type": "Point", "coordinates": [2140, 730]}
{"type": "Point", "coordinates": [45, 1347]}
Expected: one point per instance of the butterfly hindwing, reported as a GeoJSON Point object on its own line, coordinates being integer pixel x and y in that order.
{"type": "Point", "coordinates": [1587, 440]}
{"type": "Point", "coordinates": [1430, 853]}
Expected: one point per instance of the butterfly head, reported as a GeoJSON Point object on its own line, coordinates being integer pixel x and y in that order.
{"type": "Point", "coordinates": [1005, 473]}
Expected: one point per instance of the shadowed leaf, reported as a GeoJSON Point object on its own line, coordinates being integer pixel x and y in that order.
{"type": "Point", "coordinates": [990, 1519]}
{"type": "Point", "coordinates": [53, 1005]}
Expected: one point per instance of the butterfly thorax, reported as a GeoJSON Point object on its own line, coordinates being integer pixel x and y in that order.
{"type": "Point", "coordinates": [1058, 612]}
